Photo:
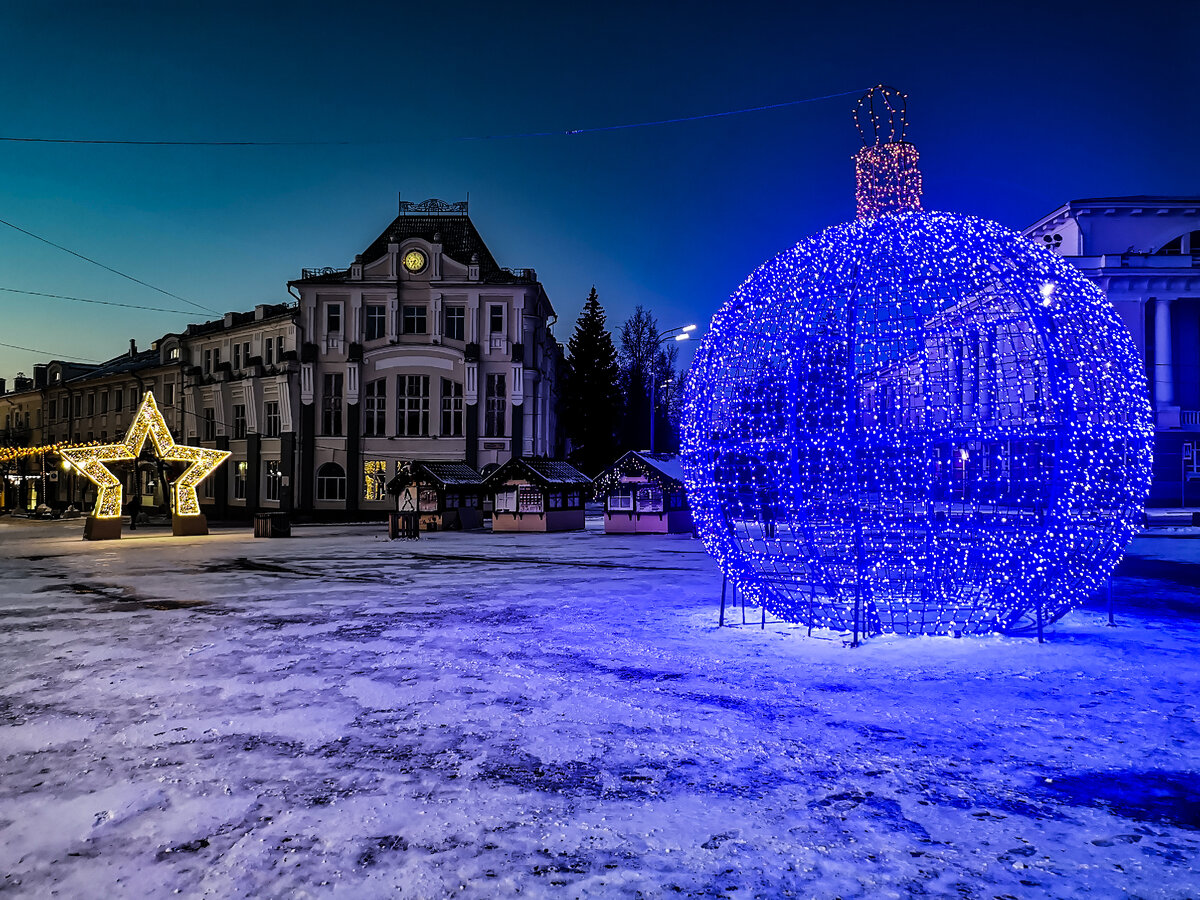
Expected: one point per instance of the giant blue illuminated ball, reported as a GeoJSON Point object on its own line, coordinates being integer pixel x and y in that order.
{"type": "Point", "coordinates": [921, 423]}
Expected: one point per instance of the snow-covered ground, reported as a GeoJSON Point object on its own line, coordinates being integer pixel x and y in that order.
{"type": "Point", "coordinates": [485, 715]}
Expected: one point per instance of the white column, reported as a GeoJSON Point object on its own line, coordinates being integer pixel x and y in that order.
{"type": "Point", "coordinates": [1164, 371]}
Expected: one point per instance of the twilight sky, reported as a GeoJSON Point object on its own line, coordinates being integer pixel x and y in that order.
{"type": "Point", "coordinates": [1015, 108]}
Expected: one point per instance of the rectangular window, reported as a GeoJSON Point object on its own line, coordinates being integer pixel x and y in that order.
{"type": "Point", "coordinates": [237, 356]}
{"type": "Point", "coordinates": [91, 404]}
{"type": "Point", "coordinates": [217, 358]}
{"type": "Point", "coordinates": [272, 479]}
{"type": "Point", "coordinates": [506, 500]}
{"type": "Point", "coordinates": [169, 394]}
{"type": "Point", "coordinates": [271, 418]}
{"type": "Point", "coordinates": [133, 398]}
{"type": "Point", "coordinates": [412, 418]}
{"type": "Point", "coordinates": [279, 348]}
{"type": "Point", "coordinates": [374, 479]}
{"type": "Point", "coordinates": [331, 405]}
{"type": "Point", "coordinates": [427, 499]}
{"type": "Point", "coordinates": [456, 323]}
{"type": "Point", "coordinates": [268, 354]}
{"type": "Point", "coordinates": [375, 408]}
{"type": "Point", "coordinates": [208, 491]}
{"type": "Point", "coordinates": [496, 318]}
{"type": "Point", "coordinates": [246, 353]}
{"type": "Point", "coordinates": [494, 406]}
{"type": "Point", "coordinates": [621, 500]}
{"type": "Point", "coordinates": [239, 421]}
{"type": "Point", "coordinates": [104, 403]}
{"type": "Point", "coordinates": [118, 400]}
{"type": "Point", "coordinates": [376, 321]}
{"type": "Point", "coordinates": [78, 406]}
{"type": "Point", "coordinates": [414, 320]}
{"type": "Point", "coordinates": [210, 424]}
{"type": "Point", "coordinates": [50, 412]}
{"type": "Point", "coordinates": [208, 362]}
{"type": "Point", "coordinates": [239, 480]}
{"type": "Point", "coordinates": [333, 318]}
{"type": "Point", "coordinates": [452, 408]}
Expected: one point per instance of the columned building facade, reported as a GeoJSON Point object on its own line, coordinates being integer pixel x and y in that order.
{"type": "Point", "coordinates": [241, 394]}
{"type": "Point", "coordinates": [422, 349]}
{"type": "Point", "coordinates": [1144, 253]}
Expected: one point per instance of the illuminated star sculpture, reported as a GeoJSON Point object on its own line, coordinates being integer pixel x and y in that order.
{"type": "Point", "coordinates": [148, 422]}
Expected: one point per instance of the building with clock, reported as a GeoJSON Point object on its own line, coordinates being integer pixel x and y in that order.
{"type": "Point", "coordinates": [423, 349]}
{"type": "Point", "coordinates": [1144, 252]}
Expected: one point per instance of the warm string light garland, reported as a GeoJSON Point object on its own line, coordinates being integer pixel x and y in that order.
{"type": "Point", "coordinates": [11, 454]}
{"type": "Point", "coordinates": [917, 423]}
{"type": "Point", "coordinates": [148, 423]}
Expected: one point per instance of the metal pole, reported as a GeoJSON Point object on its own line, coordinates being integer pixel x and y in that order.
{"type": "Point", "coordinates": [652, 386]}
{"type": "Point", "coordinates": [724, 579]}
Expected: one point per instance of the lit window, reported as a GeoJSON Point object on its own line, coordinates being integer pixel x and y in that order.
{"type": "Point", "coordinates": [374, 479]}
{"type": "Point", "coordinates": [239, 480]}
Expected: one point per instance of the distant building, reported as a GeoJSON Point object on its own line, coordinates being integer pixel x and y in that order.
{"type": "Point", "coordinates": [242, 392]}
{"type": "Point", "coordinates": [1144, 252]}
{"type": "Point", "coordinates": [423, 348]}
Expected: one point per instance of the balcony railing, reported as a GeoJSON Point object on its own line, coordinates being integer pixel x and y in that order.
{"type": "Point", "coordinates": [322, 272]}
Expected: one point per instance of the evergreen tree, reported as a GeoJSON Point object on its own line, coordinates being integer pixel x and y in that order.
{"type": "Point", "coordinates": [591, 403]}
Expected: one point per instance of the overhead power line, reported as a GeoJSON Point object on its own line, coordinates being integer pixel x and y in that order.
{"type": "Point", "coordinates": [407, 140]}
{"type": "Point", "coordinates": [49, 353]}
{"type": "Point", "coordinates": [94, 262]}
{"type": "Point", "coordinates": [178, 312]}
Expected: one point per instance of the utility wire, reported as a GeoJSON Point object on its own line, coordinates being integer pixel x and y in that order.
{"type": "Point", "coordinates": [107, 268]}
{"type": "Point", "coordinates": [481, 137]}
{"type": "Point", "coordinates": [178, 312]}
{"type": "Point", "coordinates": [50, 353]}
{"type": "Point", "coordinates": [717, 115]}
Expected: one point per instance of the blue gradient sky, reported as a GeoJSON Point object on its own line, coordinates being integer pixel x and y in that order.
{"type": "Point", "coordinates": [1014, 113]}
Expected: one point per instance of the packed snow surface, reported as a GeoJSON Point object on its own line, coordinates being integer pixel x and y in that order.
{"type": "Point", "coordinates": [483, 715]}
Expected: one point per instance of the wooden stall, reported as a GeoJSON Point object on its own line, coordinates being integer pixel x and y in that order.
{"type": "Point", "coordinates": [643, 493]}
{"type": "Point", "coordinates": [537, 495]}
{"type": "Point", "coordinates": [447, 495]}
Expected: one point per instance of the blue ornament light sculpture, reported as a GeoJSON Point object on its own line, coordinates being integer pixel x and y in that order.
{"type": "Point", "coordinates": [917, 422]}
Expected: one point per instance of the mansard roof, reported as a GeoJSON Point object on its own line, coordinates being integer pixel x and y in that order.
{"type": "Point", "coordinates": [459, 238]}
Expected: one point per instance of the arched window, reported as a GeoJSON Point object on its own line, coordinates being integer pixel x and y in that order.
{"type": "Point", "coordinates": [1184, 245]}
{"type": "Point", "coordinates": [331, 482]}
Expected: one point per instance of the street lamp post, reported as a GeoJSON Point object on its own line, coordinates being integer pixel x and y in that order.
{"type": "Point", "coordinates": [682, 333]}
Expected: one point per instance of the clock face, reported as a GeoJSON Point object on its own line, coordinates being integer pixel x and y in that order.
{"type": "Point", "coordinates": [414, 260]}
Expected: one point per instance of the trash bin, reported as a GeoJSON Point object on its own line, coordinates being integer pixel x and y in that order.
{"type": "Point", "coordinates": [272, 525]}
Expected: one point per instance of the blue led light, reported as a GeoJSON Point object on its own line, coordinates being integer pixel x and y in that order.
{"type": "Point", "coordinates": [919, 423]}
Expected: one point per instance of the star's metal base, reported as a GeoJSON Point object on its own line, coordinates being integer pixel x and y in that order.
{"type": "Point", "coordinates": [186, 526]}
{"type": "Point", "coordinates": [95, 529]}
